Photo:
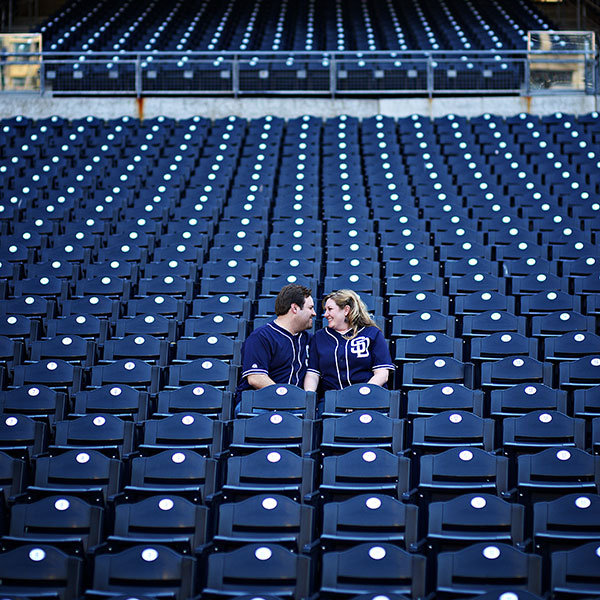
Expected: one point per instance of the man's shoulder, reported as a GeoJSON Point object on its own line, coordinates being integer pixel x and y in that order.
{"type": "Point", "coordinates": [263, 331]}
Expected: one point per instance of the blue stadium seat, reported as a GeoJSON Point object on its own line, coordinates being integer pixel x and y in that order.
{"type": "Point", "coordinates": [164, 519]}
{"type": "Point", "coordinates": [389, 570]}
{"type": "Point", "coordinates": [41, 569]}
{"type": "Point", "coordinates": [269, 472]}
{"type": "Point", "coordinates": [359, 471]}
{"type": "Point", "coordinates": [68, 523]}
{"type": "Point", "coordinates": [462, 470]}
{"type": "Point", "coordinates": [257, 568]}
{"type": "Point", "coordinates": [280, 398]}
{"type": "Point", "coordinates": [366, 518]}
{"type": "Point", "coordinates": [181, 472]}
{"type": "Point", "coordinates": [470, 571]}
{"type": "Point", "coordinates": [135, 568]}
{"type": "Point", "coordinates": [261, 519]}
{"type": "Point", "coordinates": [474, 518]}
{"type": "Point", "coordinates": [575, 572]}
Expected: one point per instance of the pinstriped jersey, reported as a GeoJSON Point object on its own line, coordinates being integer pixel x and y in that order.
{"type": "Point", "coordinates": [271, 350]}
{"type": "Point", "coordinates": [340, 362]}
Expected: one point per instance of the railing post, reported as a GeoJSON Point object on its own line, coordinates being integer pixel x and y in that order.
{"type": "Point", "coordinates": [42, 77]}
{"type": "Point", "coordinates": [332, 76]}
{"type": "Point", "coordinates": [429, 76]}
{"type": "Point", "coordinates": [138, 76]}
{"type": "Point", "coordinates": [527, 77]}
{"type": "Point", "coordinates": [235, 76]}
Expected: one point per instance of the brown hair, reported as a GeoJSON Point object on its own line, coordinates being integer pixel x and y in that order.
{"type": "Point", "coordinates": [291, 294]}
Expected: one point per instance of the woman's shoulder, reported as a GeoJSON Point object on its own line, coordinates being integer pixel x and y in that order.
{"type": "Point", "coordinates": [320, 333]}
{"type": "Point", "coordinates": [371, 331]}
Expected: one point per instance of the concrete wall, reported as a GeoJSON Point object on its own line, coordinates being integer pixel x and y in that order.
{"type": "Point", "coordinates": [37, 106]}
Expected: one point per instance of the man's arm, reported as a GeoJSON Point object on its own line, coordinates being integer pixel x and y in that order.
{"type": "Point", "coordinates": [257, 355]}
{"type": "Point", "coordinates": [259, 381]}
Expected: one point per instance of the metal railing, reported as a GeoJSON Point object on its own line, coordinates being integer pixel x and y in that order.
{"type": "Point", "coordinates": [333, 74]}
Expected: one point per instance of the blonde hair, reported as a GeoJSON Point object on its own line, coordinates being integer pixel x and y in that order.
{"type": "Point", "coordinates": [359, 316]}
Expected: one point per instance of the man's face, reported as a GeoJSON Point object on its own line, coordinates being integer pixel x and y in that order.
{"type": "Point", "coordinates": [304, 316]}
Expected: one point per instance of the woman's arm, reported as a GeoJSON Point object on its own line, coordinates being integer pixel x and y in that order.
{"type": "Point", "coordinates": [380, 377]}
{"type": "Point", "coordinates": [311, 381]}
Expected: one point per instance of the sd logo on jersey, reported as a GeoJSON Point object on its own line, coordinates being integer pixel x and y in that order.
{"type": "Point", "coordinates": [360, 347]}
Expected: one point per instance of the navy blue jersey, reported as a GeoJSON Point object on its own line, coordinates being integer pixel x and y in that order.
{"type": "Point", "coordinates": [340, 362]}
{"type": "Point", "coordinates": [273, 351]}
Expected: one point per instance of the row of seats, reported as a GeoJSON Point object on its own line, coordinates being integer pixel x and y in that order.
{"type": "Point", "coordinates": [266, 25]}
{"type": "Point", "coordinates": [256, 569]}
{"type": "Point", "coordinates": [418, 368]}
{"type": "Point", "coordinates": [28, 437]}
{"type": "Point", "coordinates": [137, 405]}
{"type": "Point", "coordinates": [411, 343]}
{"type": "Point", "coordinates": [358, 29]}
{"type": "Point", "coordinates": [170, 519]}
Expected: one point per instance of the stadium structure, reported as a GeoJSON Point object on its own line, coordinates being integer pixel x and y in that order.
{"type": "Point", "coordinates": [167, 167]}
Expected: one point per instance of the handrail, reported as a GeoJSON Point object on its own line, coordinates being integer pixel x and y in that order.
{"type": "Point", "coordinates": [405, 72]}
{"type": "Point", "coordinates": [327, 54]}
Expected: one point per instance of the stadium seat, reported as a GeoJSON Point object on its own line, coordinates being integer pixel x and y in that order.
{"type": "Point", "coordinates": [361, 397]}
{"type": "Point", "coordinates": [359, 471]}
{"type": "Point", "coordinates": [524, 398]}
{"type": "Point", "coordinates": [449, 429]}
{"type": "Point", "coordinates": [90, 475]}
{"type": "Point", "coordinates": [12, 476]}
{"type": "Point", "coordinates": [552, 473]}
{"type": "Point", "coordinates": [135, 569]}
{"type": "Point", "coordinates": [104, 432]}
{"type": "Point", "coordinates": [483, 567]}
{"type": "Point", "coordinates": [169, 520]}
{"type": "Point", "coordinates": [35, 569]}
{"type": "Point", "coordinates": [36, 401]}
{"type": "Point", "coordinates": [362, 429]}
{"type": "Point", "coordinates": [538, 430]}
{"type": "Point", "coordinates": [281, 398]}
{"type": "Point", "coordinates": [133, 372]}
{"type": "Point", "coordinates": [257, 568]}
{"type": "Point", "coordinates": [369, 518]}
{"type": "Point", "coordinates": [123, 401]}
{"type": "Point", "coordinates": [460, 471]}
{"type": "Point", "coordinates": [272, 430]}
{"type": "Point", "coordinates": [382, 567]}
{"type": "Point", "coordinates": [186, 430]}
{"type": "Point", "coordinates": [22, 436]}
{"type": "Point", "coordinates": [472, 518]}
{"type": "Point", "coordinates": [265, 519]}
{"type": "Point", "coordinates": [564, 523]}
{"type": "Point", "coordinates": [182, 472]}
{"type": "Point", "coordinates": [575, 572]}
{"type": "Point", "coordinates": [65, 522]}
{"type": "Point", "coordinates": [443, 397]}
{"type": "Point", "coordinates": [269, 472]}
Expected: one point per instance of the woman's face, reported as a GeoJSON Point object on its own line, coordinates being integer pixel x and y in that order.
{"type": "Point", "coordinates": [336, 316]}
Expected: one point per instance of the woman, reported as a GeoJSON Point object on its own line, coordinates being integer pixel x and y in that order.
{"type": "Point", "coordinates": [351, 349]}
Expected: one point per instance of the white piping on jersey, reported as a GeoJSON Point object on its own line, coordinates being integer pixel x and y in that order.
{"type": "Point", "coordinates": [293, 350]}
{"type": "Point", "coordinates": [255, 372]}
{"type": "Point", "coordinates": [347, 362]}
{"type": "Point", "coordinates": [337, 367]}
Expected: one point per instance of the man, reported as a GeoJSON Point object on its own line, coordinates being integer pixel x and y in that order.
{"type": "Point", "coordinates": [278, 351]}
